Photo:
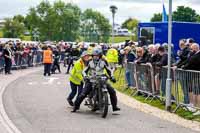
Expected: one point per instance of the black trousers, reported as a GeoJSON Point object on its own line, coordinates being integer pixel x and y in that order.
{"type": "Point", "coordinates": [55, 65]}
{"type": "Point", "coordinates": [47, 69]}
{"type": "Point", "coordinates": [70, 64]}
{"type": "Point", "coordinates": [88, 88]}
{"type": "Point", "coordinates": [8, 65]}
{"type": "Point", "coordinates": [74, 89]}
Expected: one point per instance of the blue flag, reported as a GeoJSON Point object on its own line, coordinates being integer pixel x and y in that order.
{"type": "Point", "coordinates": [164, 14]}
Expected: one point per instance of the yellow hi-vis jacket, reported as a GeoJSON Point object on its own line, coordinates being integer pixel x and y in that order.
{"type": "Point", "coordinates": [76, 72]}
{"type": "Point", "coordinates": [112, 56]}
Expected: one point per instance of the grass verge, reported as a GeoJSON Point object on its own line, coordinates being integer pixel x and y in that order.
{"type": "Point", "coordinates": [1, 33]}
{"type": "Point", "coordinates": [121, 87]}
{"type": "Point", "coordinates": [118, 39]}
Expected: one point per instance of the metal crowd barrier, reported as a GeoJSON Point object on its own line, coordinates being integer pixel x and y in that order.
{"type": "Point", "coordinates": [20, 60]}
{"type": "Point", "coordinates": [152, 82]}
{"type": "Point", "coordinates": [23, 60]}
{"type": "Point", "coordinates": [1, 63]}
{"type": "Point", "coordinates": [144, 78]}
{"type": "Point", "coordinates": [130, 74]}
{"type": "Point", "coordinates": [187, 88]}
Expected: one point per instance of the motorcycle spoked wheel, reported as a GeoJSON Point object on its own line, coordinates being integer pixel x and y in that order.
{"type": "Point", "coordinates": [104, 105]}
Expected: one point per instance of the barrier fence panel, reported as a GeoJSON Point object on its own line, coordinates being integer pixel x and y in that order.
{"type": "Point", "coordinates": [187, 88]}
{"type": "Point", "coordinates": [1, 63]}
{"type": "Point", "coordinates": [130, 74]}
{"type": "Point", "coordinates": [144, 79]}
{"type": "Point", "coordinates": [22, 60]}
{"type": "Point", "coordinates": [152, 81]}
{"type": "Point", "coordinates": [39, 57]}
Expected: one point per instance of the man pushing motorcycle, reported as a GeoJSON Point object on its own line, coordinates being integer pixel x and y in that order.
{"type": "Point", "coordinates": [96, 66]}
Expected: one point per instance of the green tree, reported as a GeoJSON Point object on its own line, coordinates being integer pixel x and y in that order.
{"type": "Point", "coordinates": [13, 28]}
{"type": "Point", "coordinates": [130, 23]}
{"type": "Point", "coordinates": [95, 27]}
{"type": "Point", "coordinates": [124, 24]}
{"type": "Point", "coordinates": [19, 18]}
{"type": "Point", "coordinates": [67, 21]}
{"type": "Point", "coordinates": [157, 17]}
{"type": "Point", "coordinates": [59, 21]}
{"type": "Point", "coordinates": [182, 14]}
{"type": "Point", "coordinates": [185, 14]}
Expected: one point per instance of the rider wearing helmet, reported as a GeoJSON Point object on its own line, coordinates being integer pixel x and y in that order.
{"type": "Point", "coordinates": [96, 65]}
{"type": "Point", "coordinates": [76, 78]}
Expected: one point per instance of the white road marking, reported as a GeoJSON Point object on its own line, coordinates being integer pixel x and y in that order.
{"type": "Point", "coordinates": [50, 81]}
{"type": "Point", "coordinates": [32, 83]}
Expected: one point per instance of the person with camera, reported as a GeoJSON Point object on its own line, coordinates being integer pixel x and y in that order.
{"type": "Point", "coordinates": [73, 56]}
{"type": "Point", "coordinates": [96, 65]}
{"type": "Point", "coordinates": [56, 61]}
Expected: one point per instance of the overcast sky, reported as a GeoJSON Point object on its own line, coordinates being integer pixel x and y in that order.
{"type": "Point", "coordinates": [140, 9]}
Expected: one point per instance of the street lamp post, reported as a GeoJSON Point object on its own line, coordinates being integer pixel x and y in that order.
{"type": "Point", "coordinates": [113, 9]}
{"type": "Point", "coordinates": [169, 80]}
{"type": "Point", "coordinates": [35, 33]}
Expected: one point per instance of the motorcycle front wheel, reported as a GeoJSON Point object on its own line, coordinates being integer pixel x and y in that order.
{"type": "Point", "coordinates": [104, 105]}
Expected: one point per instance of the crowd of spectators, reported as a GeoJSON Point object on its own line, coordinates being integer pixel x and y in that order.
{"type": "Point", "coordinates": [156, 55]}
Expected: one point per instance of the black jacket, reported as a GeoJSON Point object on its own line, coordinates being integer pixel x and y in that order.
{"type": "Point", "coordinates": [183, 57]}
{"type": "Point", "coordinates": [7, 53]}
{"type": "Point", "coordinates": [153, 58]}
{"type": "Point", "coordinates": [143, 59]}
{"type": "Point", "coordinates": [193, 63]}
{"type": "Point", "coordinates": [163, 61]}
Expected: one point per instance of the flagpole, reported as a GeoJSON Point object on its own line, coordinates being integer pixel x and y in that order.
{"type": "Point", "coordinates": [169, 80]}
{"type": "Point", "coordinates": [162, 10]}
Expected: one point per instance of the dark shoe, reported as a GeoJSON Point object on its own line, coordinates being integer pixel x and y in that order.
{"type": "Point", "coordinates": [75, 109]}
{"type": "Point", "coordinates": [95, 109]}
{"type": "Point", "coordinates": [70, 102]}
{"type": "Point", "coordinates": [116, 109]}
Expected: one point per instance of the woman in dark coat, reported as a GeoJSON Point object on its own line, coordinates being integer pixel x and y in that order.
{"type": "Point", "coordinates": [7, 54]}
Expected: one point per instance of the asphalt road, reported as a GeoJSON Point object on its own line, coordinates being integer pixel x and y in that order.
{"type": "Point", "coordinates": [37, 104]}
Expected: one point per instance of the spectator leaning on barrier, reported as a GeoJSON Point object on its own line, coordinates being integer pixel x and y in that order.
{"type": "Point", "coordinates": [130, 57]}
{"type": "Point", "coordinates": [194, 61]}
{"type": "Point", "coordinates": [183, 53]}
{"type": "Point", "coordinates": [142, 56]}
{"type": "Point", "coordinates": [158, 66]}
{"type": "Point", "coordinates": [47, 60]}
{"type": "Point", "coordinates": [193, 64]}
{"type": "Point", "coordinates": [152, 56]}
{"type": "Point", "coordinates": [7, 54]}
{"type": "Point", "coordinates": [164, 57]}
